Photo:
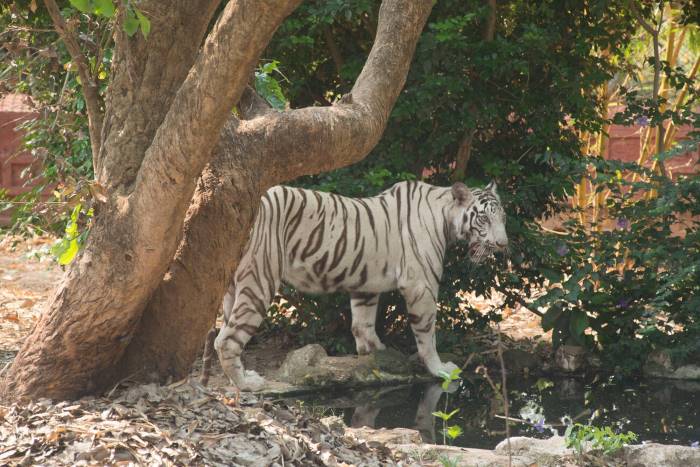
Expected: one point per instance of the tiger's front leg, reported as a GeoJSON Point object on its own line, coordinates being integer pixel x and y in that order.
{"type": "Point", "coordinates": [422, 310]}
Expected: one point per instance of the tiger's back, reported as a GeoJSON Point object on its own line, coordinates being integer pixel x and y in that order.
{"type": "Point", "coordinates": [323, 242]}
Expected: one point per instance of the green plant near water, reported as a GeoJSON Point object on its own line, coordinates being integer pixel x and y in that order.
{"type": "Point", "coordinates": [582, 437]}
{"type": "Point", "coordinates": [453, 431]}
{"type": "Point", "coordinates": [448, 461]}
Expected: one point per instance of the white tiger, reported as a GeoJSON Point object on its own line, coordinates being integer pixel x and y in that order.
{"type": "Point", "coordinates": [322, 242]}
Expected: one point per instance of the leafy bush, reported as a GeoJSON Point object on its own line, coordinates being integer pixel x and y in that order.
{"type": "Point", "coordinates": [637, 284]}
{"type": "Point", "coordinates": [35, 63]}
{"type": "Point", "coordinates": [583, 437]}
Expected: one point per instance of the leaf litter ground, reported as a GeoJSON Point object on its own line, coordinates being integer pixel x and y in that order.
{"type": "Point", "coordinates": [179, 424]}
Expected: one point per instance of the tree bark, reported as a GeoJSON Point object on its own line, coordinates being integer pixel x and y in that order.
{"type": "Point", "coordinates": [266, 149]}
{"type": "Point", "coordinates": [91, 318]}
{"type": "Point", "coordinates": [464, 153]}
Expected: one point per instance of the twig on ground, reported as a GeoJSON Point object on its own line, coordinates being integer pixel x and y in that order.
{"type": "Point", "coordinates": [504, 390]}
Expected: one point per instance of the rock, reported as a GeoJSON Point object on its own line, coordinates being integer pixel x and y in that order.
{"type": "Point", "coordinates": [386, 435]}
{"type": "Point", "coordinates": [391, 361]}
{"type": "Point", "coordinates": [517, 360]}
{"type": "Point", "coordinates": [318, 376]}
{"type": "Point", "coordinates": [688, 386]}
{"type": "Point", "coordinates": [298, 362]}
{"type": "Point", "coordinates": [570, 358]}
{"type": "Point", "coordinates": [543, 450]}
{"type": "Point", "coordinates": [652, 454]}
{"type": "Point", "coordinates": [659, 364]}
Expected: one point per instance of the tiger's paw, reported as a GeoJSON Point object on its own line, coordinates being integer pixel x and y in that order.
{"type": "Point", "coordinates": [251, 381]}
{"type": "Point", "coordinates": [369, 346]}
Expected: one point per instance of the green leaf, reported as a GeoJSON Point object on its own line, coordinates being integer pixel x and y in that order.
{"type": "Point", "coordinates": [551, 275]}
{"type": "Point", "coordinates": [60, 247]}
{"type": "Point", "coordinates": [268, 87]}
{"type": "Point", "coordinates": [67, 248]}
{"type": "Point", "coordinates": [578, 323]}
{"type": "Point", "coordinates": [81, 5]}
{"type": "Point", "coordinates": [445, 416]}
{"type": "Point", "coordinates": [445, 385]}
{"type": "Point", "coordinates": [598, 298]}
{"type": "Point", "coordinates": [104, 8]}
{"type": "Point", "coordinates": [453, 431]}
{"type": "Point", "coordinates": [550, 317]}
{"type": "Point", "coordinates": [543, 383]}
{"type": "Point", "coordinates": [68, 255]}
{"type": "Point", "coordinates": [144, 22]}
{"type": "Point", "coordinates": [131, 24]}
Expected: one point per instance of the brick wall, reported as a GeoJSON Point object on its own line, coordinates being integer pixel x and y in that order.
{"type": "Point", "coordinates": [14, 109]}
{"type": "Point", "coordinates": [625, 141]}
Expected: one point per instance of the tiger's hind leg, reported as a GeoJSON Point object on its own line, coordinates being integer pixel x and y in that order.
{"type": "Point", "coordinates": [364, 317]}
{"type": "Point", "coordinates": [244, 309]}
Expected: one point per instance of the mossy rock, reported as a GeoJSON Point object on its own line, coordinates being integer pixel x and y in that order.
{"type": "Point", "coordinates": [319, 376]}
{"type": "Point", "coordinates": [391, 361]}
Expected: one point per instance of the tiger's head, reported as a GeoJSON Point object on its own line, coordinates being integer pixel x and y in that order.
{"type": "Point", "coordinates": [478, 217]}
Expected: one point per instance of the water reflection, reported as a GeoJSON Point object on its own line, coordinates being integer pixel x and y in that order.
{"type": "Point", "coordinates": [657, 410]}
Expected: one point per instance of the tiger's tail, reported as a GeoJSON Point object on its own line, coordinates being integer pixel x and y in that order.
{"type": "Point", "coordinates": [207, 355]}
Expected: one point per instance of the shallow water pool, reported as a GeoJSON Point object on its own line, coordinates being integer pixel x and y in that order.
{"type": "Point", "coordinates": [662, 411]}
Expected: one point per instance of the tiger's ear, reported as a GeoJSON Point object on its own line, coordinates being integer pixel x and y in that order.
{"type": "Point", "coordinates": [461, 193]}
{"type": "Point", "coordinates": [491, 186]}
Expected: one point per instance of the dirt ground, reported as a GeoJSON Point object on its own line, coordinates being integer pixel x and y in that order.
{"type": "Point", "coordinates": [28, 276]}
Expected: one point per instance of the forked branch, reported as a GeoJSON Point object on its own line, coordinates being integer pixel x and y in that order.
{"type": "Point", "coordinates": [89, 84]}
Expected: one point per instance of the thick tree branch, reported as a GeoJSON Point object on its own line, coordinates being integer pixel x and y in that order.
{"type": "Point", "coordinates": [135, 237]}
{"type": "Point", "coordinates": [183, 143]}
{"type": "Point", "coordinates": [464, 151]}
{"type": "Point", "coordinates": [146, 74]}
{"type": "Point", "coordinates": [252, 105]}
{"type": "Point", "coordinates": [89, 84]}
{"type": "Point", "coordinates": [316, 139]}
{"type": "Point", "coordinates": [490, 31]}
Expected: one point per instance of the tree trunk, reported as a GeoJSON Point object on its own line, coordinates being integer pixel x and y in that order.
{"type": "Point", "coordinates": [155, 146]}
{"type": "Point", "coordinates": [186, 303]}
{"type": "Point", "coordinates": [92, 316]}
{"type": "Point", "coordinates": [271, 147]}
